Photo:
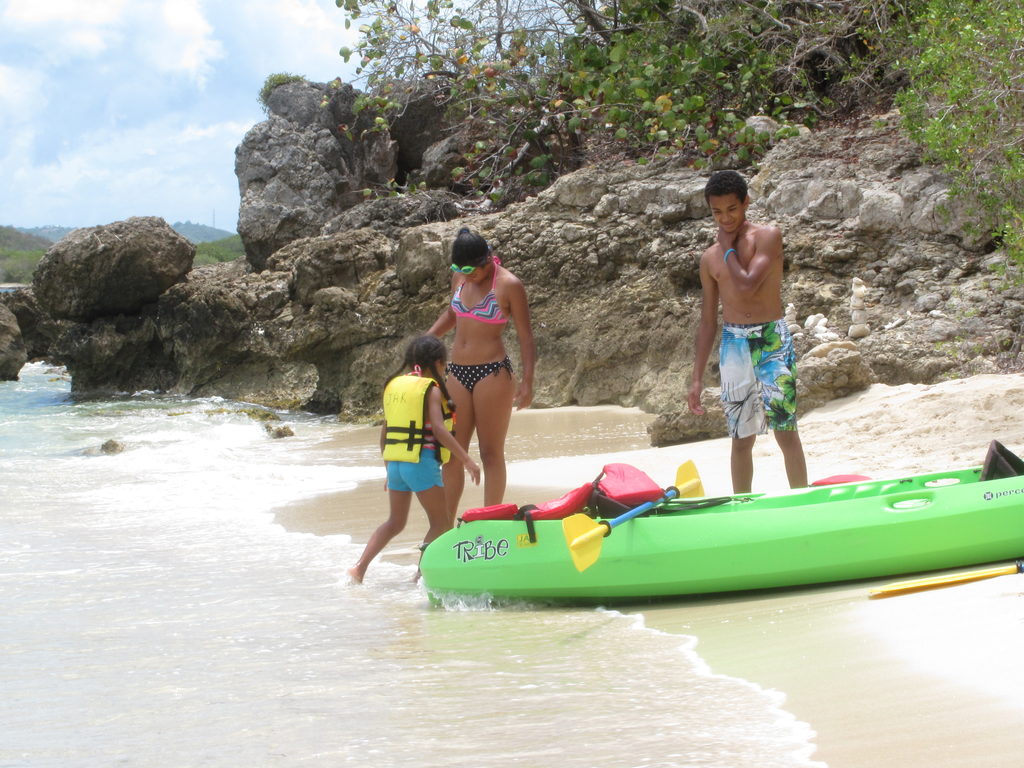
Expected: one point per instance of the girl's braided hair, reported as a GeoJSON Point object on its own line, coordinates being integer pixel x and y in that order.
{"type": "Point", "coordinates": [426, 352]}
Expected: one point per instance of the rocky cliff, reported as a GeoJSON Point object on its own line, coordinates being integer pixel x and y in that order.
{"type": "Point", "coordinates": [609, 256]}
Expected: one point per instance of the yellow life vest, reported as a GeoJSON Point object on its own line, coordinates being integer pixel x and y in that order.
{"type": "Point", "coordinates": [405, 416]}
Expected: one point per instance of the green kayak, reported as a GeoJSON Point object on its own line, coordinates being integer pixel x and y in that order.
{"type": "Point", "coordinates": [687, 546]}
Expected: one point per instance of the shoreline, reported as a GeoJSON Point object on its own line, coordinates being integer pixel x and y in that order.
{"type": "Point", "coordinates": [359, 510]}
{"type": "Point", "coordinates": [925, 680]}
{"type": "Point", "coordinates": [852, 668]}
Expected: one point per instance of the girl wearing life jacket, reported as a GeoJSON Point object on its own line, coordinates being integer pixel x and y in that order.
{"type": "Point", "coordinates": [485, 296]}
{"type": "Point", "coordinates": [415, 441]}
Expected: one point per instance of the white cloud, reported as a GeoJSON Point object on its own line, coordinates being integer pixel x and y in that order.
{"type": "Point", "coordinates": [183, 41]}
{"type": "Point", "coordinates": [170, 35]}
{"type": "Point", "coordinates": [313, 21]}
{"type": "Point", "coordinates": [72, 27]}
{"type": "Point", "coordinates": [71, 12]}
{"type": "Point", "coordinates": [297, 36]}
{"type": "Point", "coordinates": [172, 169]}
{"type": "Point", "coordinates": [117, 108]}
{"type": "Point", "coordinates": [22, 97]}
{"type": "Point", "coordinates": [22, 94]}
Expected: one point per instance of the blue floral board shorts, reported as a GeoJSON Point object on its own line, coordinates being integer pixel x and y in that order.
{"type": "Point", "coordinates": [417, 476]}
{"type": "Point", "coordinates": [758, 372]}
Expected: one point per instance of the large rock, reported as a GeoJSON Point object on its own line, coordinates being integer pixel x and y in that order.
{"type": "Point", "coordinates": [342, 261]}
{"type": "Point", "coordinates": [116, 354]}
{"type": "Point", "coordinates": [830, 371]}
{"type": "Point", "coordinates": [418, 123]}
{"type": "Point", "coordinates": [439, 160]}
{"type": "Point", "coordinates": [675, 427]}
{"type": "Point", "coordinates": [610, 260]}
{"type": "Point", "coordinates": [38, 330]}
{"type": "Point", "coordinates": [12, 349]}
{"type": "Point", "coordinates": [307, 163]}
{"type": "Point", "coordinates": [826, 372]}
{"type": "Point", "coordinates": [394, 215]}
{"type": "Point", "coordinates": [111, 270]}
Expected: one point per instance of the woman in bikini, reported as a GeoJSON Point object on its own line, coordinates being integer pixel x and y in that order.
{"type": "Point", "coordinates": [480, 377]}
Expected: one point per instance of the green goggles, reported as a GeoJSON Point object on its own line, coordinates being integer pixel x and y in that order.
{"type": "Point", "coordinates": [466, 270]}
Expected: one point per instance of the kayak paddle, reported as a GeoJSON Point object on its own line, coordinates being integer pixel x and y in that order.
{"type": "Point", "coordinates": [686, 473]}
{"type": "Point", "coordinates": [583, 534]}
{"type": "Point", "coordinates": [903, 587]}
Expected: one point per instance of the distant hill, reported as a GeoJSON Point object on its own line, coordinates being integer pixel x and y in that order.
{"type": "Point", "coordinates": [195, 233]}
{"type": "Point", "coordinates": [199, 233]}
{"type": "Point", "coordinates": [20, 252]}
{"type": "Point", "coordinates": [13, 239]}
{"type": "Point", "coordinates": [50, 234]}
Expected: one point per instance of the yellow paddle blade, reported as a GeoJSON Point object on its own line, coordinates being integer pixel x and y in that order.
{"type": "Point", "coordinates": [688, 481]}
{"type": "Point", "coordinates": [914, 585]}
{"type": "Point", "coordinates": [583, 535]}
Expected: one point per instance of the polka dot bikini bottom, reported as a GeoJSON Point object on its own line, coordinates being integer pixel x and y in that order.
{"type": "Point", "coordinates": [469, 375]}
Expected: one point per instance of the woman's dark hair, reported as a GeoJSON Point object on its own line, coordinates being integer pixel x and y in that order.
{"type": "Point", "coordinates": [469, 249]}
{"type": "Point", "coordinates": [726, 183]}
{"type": "Point", "coordinates": [426, 351]}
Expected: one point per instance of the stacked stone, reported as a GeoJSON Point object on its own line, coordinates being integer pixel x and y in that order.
{"type": "Point", "coordinates": [792, 323]}
{"type": "Point", "coordinates": [816, 326]}
{"type": "Point", "coordinates": [858, 314]}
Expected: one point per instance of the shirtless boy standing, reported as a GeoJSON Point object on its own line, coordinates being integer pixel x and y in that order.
{"type": "Point", "coordinates": [743, 269]}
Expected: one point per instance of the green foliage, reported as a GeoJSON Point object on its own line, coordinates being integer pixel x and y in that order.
{"type": "Point", "coordinates": [227, 249]}
{"type": "Point", "coordinates": [14, 239]}
{"type": "Point", "coordinates": [272, 82]}
{"type": "Point", "coordinates": [538, 84]}
{"type": "Point", "coordinates": [19, 255]}
{"type": "Point", "coordinates": [17, 266]}
{"type": "Point", "coordinates": [966, 106]}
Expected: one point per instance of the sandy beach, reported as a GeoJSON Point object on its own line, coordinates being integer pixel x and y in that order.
{"type": "Point", "coordinates": [923, 680]}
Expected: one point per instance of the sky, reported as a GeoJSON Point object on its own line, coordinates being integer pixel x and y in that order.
{"type": "Point", "coordinates": [119, 108]}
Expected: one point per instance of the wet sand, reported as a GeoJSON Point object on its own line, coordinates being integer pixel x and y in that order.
{"type": "Point", "coordinates": [540, 445]}
{"type": "Point", "coordinates": [924, 680]}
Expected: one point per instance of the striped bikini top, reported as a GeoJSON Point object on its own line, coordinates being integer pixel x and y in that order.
{"type": "Point", "coordinates": [487, 311]}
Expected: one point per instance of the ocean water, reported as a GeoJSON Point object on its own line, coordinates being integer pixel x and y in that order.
{"type": "Point", "coordinates": [154, 614]}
